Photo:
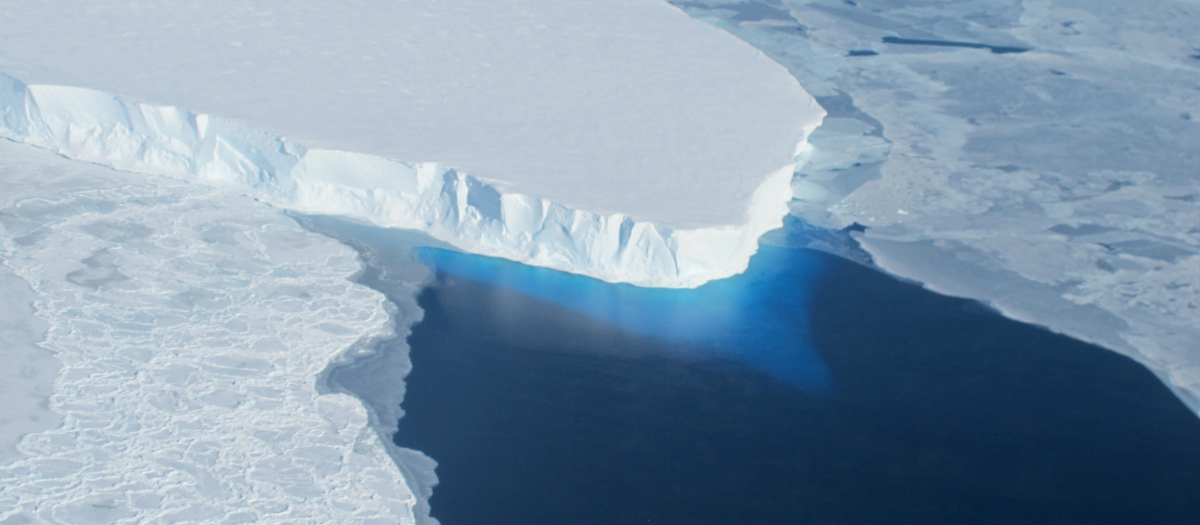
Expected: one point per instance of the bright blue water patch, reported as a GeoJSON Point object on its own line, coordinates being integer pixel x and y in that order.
{"type": "Point", "coordinates": [735, 317]}
{"type": "Point", "coordinates": [943, 413]}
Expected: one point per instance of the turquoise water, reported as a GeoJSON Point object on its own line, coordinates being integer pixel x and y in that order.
{"type": "Point", "coordinates": [811, 390]}
{"type": "Point", "coordinates": [757, 318]}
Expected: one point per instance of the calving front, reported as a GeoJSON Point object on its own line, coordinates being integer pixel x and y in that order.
{"type": "Point", "coordinates": [452, 206]}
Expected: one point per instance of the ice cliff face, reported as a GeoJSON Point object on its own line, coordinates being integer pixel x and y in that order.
{"type": "Point", "coordinates": [452, 206]}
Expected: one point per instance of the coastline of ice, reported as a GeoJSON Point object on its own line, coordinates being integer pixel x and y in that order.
{"type": "Point", "coordinates": [467, 212]}
{"type": "Point", "coordinates": [619, 139]}
{"type": "Point", "coordinates": [376, 372]}
{"type": "Point", "coordinates": [193, 328]}
{"type": "Point", "coordinates": [1057, 184]}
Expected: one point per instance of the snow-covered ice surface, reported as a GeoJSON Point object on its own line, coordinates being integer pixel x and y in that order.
{"type": "Point", "coordinates": [621, 139]}
{"type": "Point", "coordinates": [27, 371]}
{"type": "Point", "coordinates": [375, 372]}
{"type": "Point", "coordinates": [192, 327]}
{"type": "Point", "coordinates": [1043, 157]}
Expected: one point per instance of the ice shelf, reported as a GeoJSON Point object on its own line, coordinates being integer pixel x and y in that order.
{"type": "Point", "coordinates": [618, 139]}
{"type": "Point", "coordinates": [465, 211]}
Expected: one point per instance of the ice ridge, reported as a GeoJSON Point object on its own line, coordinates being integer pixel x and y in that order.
{"type": "Point", "coordinates": [467, 212]}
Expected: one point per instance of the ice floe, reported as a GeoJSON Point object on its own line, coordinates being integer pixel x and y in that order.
{"type": "Point", "coordinates": [1059, 183]}
{"type": "Point", "coordinates": [192, 327]}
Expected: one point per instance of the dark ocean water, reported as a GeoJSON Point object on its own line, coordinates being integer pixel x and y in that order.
{"type": "Point", "coordinates": [809, 391]}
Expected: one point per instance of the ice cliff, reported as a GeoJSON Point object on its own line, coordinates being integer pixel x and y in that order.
{"type": "Point", "coordinates": [468, 212]}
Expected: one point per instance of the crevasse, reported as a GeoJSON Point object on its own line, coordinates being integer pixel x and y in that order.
{"type": "Point", "coordinates": [454, 207]}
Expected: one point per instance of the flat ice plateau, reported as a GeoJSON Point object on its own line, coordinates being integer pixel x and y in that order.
{"type": "Point", "coordinates": [619, 139]}
{"type": "Point", "coordinates": [1043, 157]}
{"type": "Point", "coordinates": [191, 326]}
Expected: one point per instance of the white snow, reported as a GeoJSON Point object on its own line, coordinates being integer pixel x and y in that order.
{"type": "Point", "coordinates": [630, 142]}
{"type": "Point", "coordinates": [192, 327]}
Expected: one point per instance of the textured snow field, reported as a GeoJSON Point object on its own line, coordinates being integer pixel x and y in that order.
{"type": "Point", "coordinates": [192, 326]}
{"type": "Point", "coordinates": [27, 371]}
{"type": "Point", "coordinates": [1061, 184]}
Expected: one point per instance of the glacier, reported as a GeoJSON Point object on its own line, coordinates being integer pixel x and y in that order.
{"type": "Point", "coordinates": [623, 140]}
{"type": "Point", "coordinates": [465, 211]}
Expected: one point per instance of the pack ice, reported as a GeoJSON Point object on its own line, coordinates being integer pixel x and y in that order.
{"type": "Point", "coordinates": [1042, 160]}
{"type": "Point", "coordinates": [617, 139]}
{"type": "Point", "coordinates": [190, 327]}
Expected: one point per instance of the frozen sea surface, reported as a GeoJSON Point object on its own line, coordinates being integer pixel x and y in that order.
{"type": "Point", "coordinates": [27, 371]}
{"type": "Point", "coordinates": [1058, 184]}
{"type": "Point", "coordinates": [189, 328]}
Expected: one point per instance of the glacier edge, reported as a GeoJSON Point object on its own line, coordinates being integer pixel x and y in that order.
{"type": "Point", "coordinates": [452, 206]}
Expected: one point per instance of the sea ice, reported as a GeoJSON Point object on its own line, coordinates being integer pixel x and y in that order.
{"type": "Point", "coordinates": [192, 327]}
{"type": "Point", "coordinates": [1058, 184]}
{"type": "Point", "coordinates": [27, 371]}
